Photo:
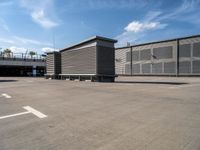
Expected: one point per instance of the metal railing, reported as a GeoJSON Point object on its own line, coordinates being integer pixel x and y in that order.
{"type": "Point", "coordinates": [21, 57]}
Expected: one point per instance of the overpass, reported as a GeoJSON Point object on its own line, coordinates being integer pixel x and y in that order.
{"type": "Point", "coordinates": [18, 64]}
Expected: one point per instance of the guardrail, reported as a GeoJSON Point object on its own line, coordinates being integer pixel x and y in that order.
{"type": "Point", "coordinates": [21, 57]}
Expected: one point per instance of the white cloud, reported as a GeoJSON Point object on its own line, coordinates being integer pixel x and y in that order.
{"type": "Point", "coordinates": [30, 41]}
{"type": "Point", "coordinates": [4, 25]}
{"type": "Point", "coordinates": [48, 49]}
{"type": "Point", "coordinates": [8, 41]}
{"type": "Point", "coordinates": [187, 11]}
{"type": "Point", "coordinates": [15, 49]}
{"type": "Point", "coordinates": [41, 11]}
{"type": "Point", "coordinates": [40, 18]}
{"type": "Point", "coordinates": [137, 26]}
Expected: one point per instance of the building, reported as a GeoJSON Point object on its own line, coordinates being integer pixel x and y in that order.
{"type": "Point", "coordinates": [53, 65]}
{"type": "Point", "coordinates": [92, 59]}
{"type": "Point", "coordinates": [175, 57]}
{"type": "Point", "coordinates": [22, 65]}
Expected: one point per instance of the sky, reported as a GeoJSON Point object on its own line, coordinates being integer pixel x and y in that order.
{"type": "Point", "coordinates": [46, 25]}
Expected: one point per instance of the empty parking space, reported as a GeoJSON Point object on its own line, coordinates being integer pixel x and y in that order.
{"type": "Point", "coordinates": [132, 113]}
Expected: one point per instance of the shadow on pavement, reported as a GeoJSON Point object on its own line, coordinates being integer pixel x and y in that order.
{"type": "Point", "coordinates": [8, 80]}
{"type": "Point", "coordinates": [151, 82]}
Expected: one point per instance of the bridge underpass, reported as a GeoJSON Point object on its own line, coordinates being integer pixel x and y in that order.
{"type": "Point", "coordinates": [22, 66]}
{"type": "Point", "coordinates": [21, 71]}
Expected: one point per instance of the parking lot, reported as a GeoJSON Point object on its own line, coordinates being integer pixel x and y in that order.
{"type": "Point", "coordinates": [134, 113]}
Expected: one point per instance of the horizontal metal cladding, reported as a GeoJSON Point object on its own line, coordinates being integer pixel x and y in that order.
{"type": "Point", "coordinates": [79, 61]}
{"type": "Point", "coordinates": [105, 60]}
{"type": "Point", "coordinates": [122, 61]}
{"type": "Point", "coordinates": [189, 56]}
{"type": "Point", "coordinates": [53, 63]}
{"type": "Point", "coordinates": [50, 66]}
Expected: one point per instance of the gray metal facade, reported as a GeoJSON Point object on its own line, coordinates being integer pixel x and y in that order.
{"type": "Point", "coordinates": [93, 58]}
{"type": "Point", "coordinates": [172, 57]}
{"type": "Point", "coordinates": [53, 63]}
{"type": "Point", "coordinates": [79, 61]}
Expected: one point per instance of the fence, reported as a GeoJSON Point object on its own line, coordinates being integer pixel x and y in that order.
{"type": "Point", "coordinates": [21, 56]}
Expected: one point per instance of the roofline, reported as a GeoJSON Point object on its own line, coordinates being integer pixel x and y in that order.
{"type": "Point", "coordinates": [162, 41]}
{"type": "Point", "coordinates": [89, 40]}
{"type": "Point", "coordinates": [54, 52]}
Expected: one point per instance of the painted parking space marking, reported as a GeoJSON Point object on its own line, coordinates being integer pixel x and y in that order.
{"type": "Point", "coordinates": [35, 112]}
{"type": "Point", "coordinates": [6, 95]}
{"type": "Point", "coordinates": [30, 110]}
{"type": "Point", "coordinates": [14, 115]}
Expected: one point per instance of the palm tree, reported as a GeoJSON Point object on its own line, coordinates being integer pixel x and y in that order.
{"type": "Point", "coordinates": [7, 52]}
{"type": "Point", "coordinates": [32, 53]}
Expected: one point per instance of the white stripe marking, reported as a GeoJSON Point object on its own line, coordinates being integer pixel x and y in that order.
{"type": "Point", "coordinates": [18, 114]}
{"type": "Point", "coordinates": [35, 112]}
{"type": "Point", "coordinates": [29, 110]}
{"type": "Point", "coordinates": [6, 95]}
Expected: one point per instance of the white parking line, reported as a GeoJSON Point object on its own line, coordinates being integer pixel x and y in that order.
{"type": "Point", "coordinates": [6, 95]}
{"type": "Point", "coordinates": [29, 110]}
{"type": "Point", "coordinates": [13, 115]}
{"type": "Point", "coordinates": [35, 112]}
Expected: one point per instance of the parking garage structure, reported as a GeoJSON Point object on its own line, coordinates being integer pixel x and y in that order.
{"type": "Point", "coordinates": [21, 65]}
{"type": "Point", "coordinates": [174, 57]}
{"type": "Point", "coordinates": [92, 59]}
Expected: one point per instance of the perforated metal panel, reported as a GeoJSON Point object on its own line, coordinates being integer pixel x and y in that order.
{"type": "Point", "coordinates": [163, 52]}
{"type": "Point", "coordinates": [196, 66]}
{"type": "Point", "coordinates": [157, 68]}
{"type": "Point", "coordinates": [127, 69]}
{"type": "Point", "coordinates": [170, 67]}
{"type": "Point", "coordinates": [185, 50]}
{"type": "Point", "coordinates": [128, 56]}
{"type": "Point", "coordinates": [145, 54]}
{"type": "Point", "coordinates": [196, 49]}
{"type": "Point", "coordinates": [185, 67]}
{"type": "Point", "coordinates": [120, 61]}
{"type": "Point", "coordinates": [135, 55]}
{"type": "Point", "coordinates": [146, 68]}
{"type": "Point", "coordinates": [165, 57]}
{"type": "Point", "coordinates": [136, 68]}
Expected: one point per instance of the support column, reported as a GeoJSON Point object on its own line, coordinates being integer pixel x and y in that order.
{"type": "Point", "coordinates": [34, 71]}
{"type": "Point", "coordinates": [131, 49]}
{"type": "Point", "coordinates": [177, 59]}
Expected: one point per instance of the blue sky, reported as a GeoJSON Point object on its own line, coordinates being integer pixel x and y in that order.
{"type": "Point", "coordinates": [35, 24]}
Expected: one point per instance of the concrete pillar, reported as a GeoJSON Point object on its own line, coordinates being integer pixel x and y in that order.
{"type": "Point", "coordinates": [34, 72]}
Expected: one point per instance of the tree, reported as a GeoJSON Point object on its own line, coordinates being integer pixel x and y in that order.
{"type": "Point", "coordinates": [7, 52]}
{"type": "Point", "coordinates": [32, 53]}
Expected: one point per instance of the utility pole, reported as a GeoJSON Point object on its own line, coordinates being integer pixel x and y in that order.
{"type": "Point", "coordinates": [53, 40]}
